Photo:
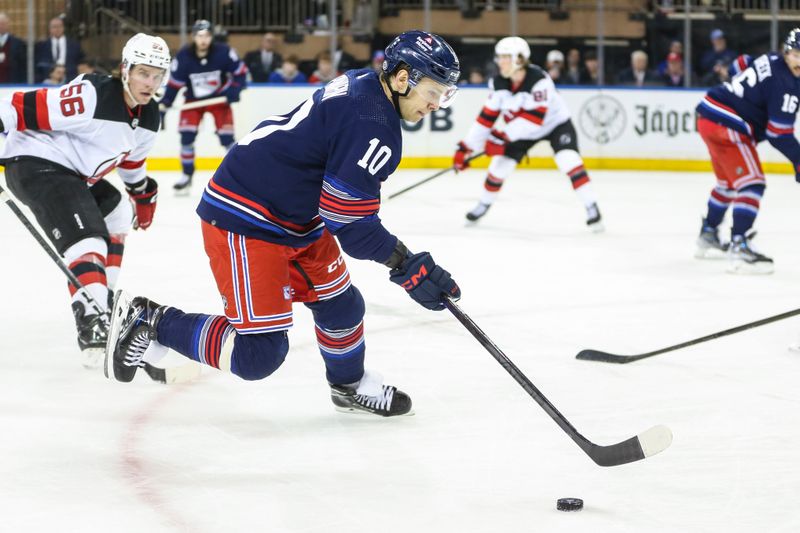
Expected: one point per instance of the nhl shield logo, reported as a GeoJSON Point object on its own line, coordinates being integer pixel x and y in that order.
{"type": "Point", "coordinates": [287, 293]}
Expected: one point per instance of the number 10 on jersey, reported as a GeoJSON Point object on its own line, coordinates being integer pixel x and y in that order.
{"type": "Point", "coordinates": [373, 160]}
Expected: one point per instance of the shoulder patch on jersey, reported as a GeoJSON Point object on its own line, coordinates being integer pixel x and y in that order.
{"type": "Point", "coordinates": [111, 104]}
{"type": "Point", "coordinates": [337, 87]}
{"type": "Point", "coordinates": [762, 67]}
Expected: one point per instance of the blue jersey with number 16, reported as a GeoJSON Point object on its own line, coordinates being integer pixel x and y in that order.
{"type": "Point", "coordinates": [318, 167]}
{"type": "Point", "coordinates": [760, 102]}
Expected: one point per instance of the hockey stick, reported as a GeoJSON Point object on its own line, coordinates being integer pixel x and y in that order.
{"type": "Point", "coordinates": [204, 103]}
{"type": "Point", "coordinates": [168, 375]}
{"type": "Point", "coordinates": [645, 444]}
{"type": "Point", "coordinates": [605, 357]}
{"type": "Point", "coordinates": [426, 180]}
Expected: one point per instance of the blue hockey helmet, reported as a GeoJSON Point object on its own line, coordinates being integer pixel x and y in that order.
{"type": "Point", "coordinates": [792, 41]}
{"type": "Point", "coordinates": [428, 56]}
{"type": "Point", "coordinates": [202, 25]}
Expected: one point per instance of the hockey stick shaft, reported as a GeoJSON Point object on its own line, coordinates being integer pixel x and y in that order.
{"type": "Point", "coordinates": [47, 248]}
{"type": "Point", "coordinates": [5, 197]}
{"type": "Point", "coordinates": [204, 103]}
{"type": "Point", "coordinates": [429, 178]}
{"type": "Point", "coordinates": [597, 355]}
{"type": "Point", "coordinates": [636, 448]}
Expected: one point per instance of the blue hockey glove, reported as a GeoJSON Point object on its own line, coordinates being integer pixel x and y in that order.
{"type": "Point", "coordinates": [425, 281]}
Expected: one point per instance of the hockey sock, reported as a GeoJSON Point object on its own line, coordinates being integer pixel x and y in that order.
{"type": "Point", "coordinates": [187, 159]}
{"type": "Point", "coordinates": [570, 163]}
{"type": "Point", "coordinates": [87, 260]}
{"type": "Point", "coordinates": [343, 352]}
{"type": "Point", "coordinates": [491, 187]}
{"type": "Point", "coordinates": [198, 337]}
{"type": "Point", "coordinates": [500, 168]}
{"type": "Point", "coordinates": [226, 139]}
{"type": "Point", "coordinates": [718, 202]}
{"type": "Point", "coordinates": [114, 260]}
{"type": "Point", "coordinates": [745, 208]}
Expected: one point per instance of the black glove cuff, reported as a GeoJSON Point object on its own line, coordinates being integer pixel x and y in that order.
{"type": "Point", "coordinates": [399, 255]}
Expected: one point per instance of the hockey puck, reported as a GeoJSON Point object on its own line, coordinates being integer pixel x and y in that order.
{"type": "Point", "coordinates": [569, 504]}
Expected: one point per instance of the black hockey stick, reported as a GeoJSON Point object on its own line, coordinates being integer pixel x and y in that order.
{"type": "Point", "coordinates": [161, 375]}
{"type": "Point", "coordinates": [426, 180]}
{"type": "Point", "coordinates": [645, 444]}
{"type": "Point", "coordinates": [605, 357]}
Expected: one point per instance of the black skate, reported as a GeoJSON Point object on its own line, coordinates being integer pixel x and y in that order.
{"type": "Point", "coordinates": [478, 211]}
{"type": "Point", "coordinates": [745, 260]}
{"type": "Point", "coordinates": [133, 326]}
{"type": "Point", "coordinates": [709, 245]}
{"type": "Point", "coordinates": [370, 396]}
{"type": "Point", "coordinates": [92, 333]}
{"type": "Point", "coordinates": [183, 185]}
{"type": "Point", "coordinates": [594, 220]}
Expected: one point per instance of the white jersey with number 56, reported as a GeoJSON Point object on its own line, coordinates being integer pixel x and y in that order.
{"type": "Point", "coordinates": [85, 126]}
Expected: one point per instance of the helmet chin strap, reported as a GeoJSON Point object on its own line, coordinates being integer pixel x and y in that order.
{"type": "Point", "coordinates": [126, 87]}
{"type": "Point", "coordinates": [395, 94]}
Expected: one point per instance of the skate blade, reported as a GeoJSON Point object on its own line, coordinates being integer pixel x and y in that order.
{"type": "Point", "coordinates": [122, 302]}
{"type": "Point", "coordinates": [354, 411]}
{"type": "Point", "coordinates": [92, 358]}
{"type": "Point", "coordinates": [182, 193]}
{"type": "Point", "coordinates": [597, 227]}
{"type": "Point", "coordinates": [713, 254]}
{"type": "Point", "coordinates": [752, 269]}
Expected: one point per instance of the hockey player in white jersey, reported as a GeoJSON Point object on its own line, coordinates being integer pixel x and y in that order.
{"type": "Point", "coordinates": [61, 143]}
{"type": "Point", "coordinates": [533, 110]}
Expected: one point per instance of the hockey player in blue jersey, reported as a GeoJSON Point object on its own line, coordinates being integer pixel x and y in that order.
{"type": "Point", "coordinates": [269, 217]}
{"type": "Point", "coordinates": [207, 70]}
{"type": "Point", "coordinates": [759, 103]}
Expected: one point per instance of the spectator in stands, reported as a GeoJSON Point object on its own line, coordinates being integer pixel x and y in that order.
{"type": "Point", "coordinates": [719, 52]}
{"type": "Point", "coordinates": [377, 61]}
{"type": "Point", "coordinates": [638, 74]}
{"type": "Point", "coordinates": [720, 73]}
{"type": "Point", "coordinates": [675, 47]}
{"type": "Point", "coordinates": [574, 73]}
{"type": "Point", "coordinates": [325, 71]}
{"type": "Point", "coordinates": [342, 60]}
{"type": "Point", "coordinates": [592, 69]}
{"type": "Point", "coordinates": [58, 76]}
{"type": "Point", "coordinates": [288, 73]}
{"type": "Point", "coordinates": [262, 62]}
{"type": "Point", "coordinates": [674, 76]}
{"type": "Point", "coordinates": [554, 64]}
{"type": "Point", "coordinates": [476, 76]}
{"type": "Point", "coordinates": [57, 49]}
{"type": "Point", "coordinates": [12, 54]}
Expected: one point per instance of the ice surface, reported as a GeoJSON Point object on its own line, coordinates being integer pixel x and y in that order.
{"type": "Point", "coordinates": [80, 453]}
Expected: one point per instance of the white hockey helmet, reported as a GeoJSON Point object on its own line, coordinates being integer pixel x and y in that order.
{"type": "Point", "coordinates": [514, 47]}
{"type": "Point", "coordinates": [143, 49]}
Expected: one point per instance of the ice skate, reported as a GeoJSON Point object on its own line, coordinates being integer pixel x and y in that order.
{"type": "Point", "coordinates": [183, 186]}
{"type": "Point", "coordinates": [594, 220]}
{"type": "Point", "coordinates": [133, 327]}
{"type": "Point", "coordinates": [370, 396]}
{"type": "Point", "coordinates": [709, 245]}
{"type": "Point", "coordinates": [92, 334]}
{"type": "Point", "coordinates": [478, 211]}
{"type": "Point", "coordinates": [743, 259]}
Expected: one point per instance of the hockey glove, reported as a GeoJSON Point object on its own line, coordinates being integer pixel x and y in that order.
{"type": "Point", "coordinates": [144, 195]}
{"type": "Point", "coordinates": [232, 95]}
{"type": "Point", "coordinates": [461, 157]}
{"type": "Point", "coordinates": [425, 281]}
{"type": "Point", "coordinates": [496, 143]}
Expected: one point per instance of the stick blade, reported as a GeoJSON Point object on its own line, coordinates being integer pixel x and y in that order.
{"type": "Point", "coordinates": [655, 440]}
{"type": "Point", "coordinates": [648, 443]}
{"type": "Point", "coordinates": [603, 357]}
{"type": "Point", "coordinates": [173, 375]}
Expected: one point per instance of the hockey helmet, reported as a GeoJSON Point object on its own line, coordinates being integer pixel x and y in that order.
{"type": "Point", "coordinates": [513, 46]}
{"type": "Point", "coordinates": [792, 41]}
{"type": "Point", "coordinates": [143, 49]}
{"type": "Point", "coordinates": [428, 56]}
{"type": "Point", "coordinates": [202, 25]}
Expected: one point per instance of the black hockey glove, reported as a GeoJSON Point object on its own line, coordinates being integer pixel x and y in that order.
{"type": "Point", "coordinates": [425, 281]}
